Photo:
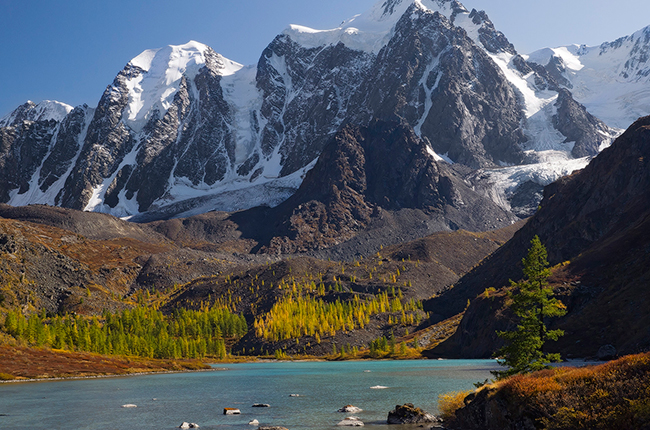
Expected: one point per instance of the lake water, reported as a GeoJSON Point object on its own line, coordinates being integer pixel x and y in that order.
{"type": "Point", "coordinates": [164, 401]}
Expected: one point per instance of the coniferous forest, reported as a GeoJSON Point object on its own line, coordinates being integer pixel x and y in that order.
{"type": "Point", "coordinates": [141, 331]}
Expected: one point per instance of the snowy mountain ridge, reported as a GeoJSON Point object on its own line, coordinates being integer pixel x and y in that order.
{"type": "Point", "coordinates": [183, 129]}
{"type": "Point", "coordinates": [156, 76]}
{"type": "Point", "coordinates": [370, 31]}
{"type": "Point", "coordinates": [611, 79]}
{"type": "Point", "coordinates": [44, 111]}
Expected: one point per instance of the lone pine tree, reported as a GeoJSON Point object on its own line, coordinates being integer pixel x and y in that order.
{"type": "Point", "coordinates": [531, 300]}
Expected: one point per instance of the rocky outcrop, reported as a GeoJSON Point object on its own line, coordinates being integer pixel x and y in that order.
{"type": "Point", "coordinates": [409, 414]}
{"type": "Point", "coordinates": [106, 143]}
{"type": "Point", "coordinates": [21, 150]}
{"type": "Point", "coordinates": [364, 170]}
{"type": "Point", "coordinates": [423, 75]}
{"type": "Point", "coordinates": [607, 352]}
{"type": "Point", "coordinates": [579, 126]}
{"type": "Point", "coordinates": [490, 409]}
{"type": "Point", "coordinates": [298, 125]}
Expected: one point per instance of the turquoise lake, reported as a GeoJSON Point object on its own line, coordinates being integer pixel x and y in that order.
{"type": "Point", "coordinates": [164, 401]}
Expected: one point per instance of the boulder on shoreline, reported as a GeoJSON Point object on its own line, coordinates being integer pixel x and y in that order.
{"type": "Point", "coordinates": [231, 411]}
{"type": "Point", "coordinates": [409, 414]}
{"type": "Point", "coordinates": [607, 353]}
{"type": "Point", "coordinates": [350, 409]}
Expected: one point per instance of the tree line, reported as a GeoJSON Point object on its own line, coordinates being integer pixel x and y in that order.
{"type": "Point", "coordinates": [297, 315]}
{"type": "Point", "coordinates": [142, 331]}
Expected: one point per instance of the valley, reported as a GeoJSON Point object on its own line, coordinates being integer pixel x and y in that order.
{"type": "Point", "coordinates": [360, 193]}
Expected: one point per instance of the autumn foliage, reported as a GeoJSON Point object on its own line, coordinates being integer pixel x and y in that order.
{"type": "Point", "coordinates": [614, 395]}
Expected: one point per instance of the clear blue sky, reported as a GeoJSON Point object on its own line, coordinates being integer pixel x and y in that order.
{"type": "Point", "coordinates": [71, 50]}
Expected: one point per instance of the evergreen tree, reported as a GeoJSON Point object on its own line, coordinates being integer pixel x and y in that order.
{"type": "Point", "coordinates": [531, 301]}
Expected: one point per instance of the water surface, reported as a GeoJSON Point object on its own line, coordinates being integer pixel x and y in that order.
{"type": "Point", "coordinates": [164, 401]}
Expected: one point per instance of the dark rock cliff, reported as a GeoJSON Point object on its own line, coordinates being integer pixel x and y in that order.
{"type": "Point", "coordinates": [364, 171]}
{"type": "Point", "coordinates": [596, 219]}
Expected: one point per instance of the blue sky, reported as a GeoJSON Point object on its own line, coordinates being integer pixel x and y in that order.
{"type": "Point", "coordinates": [71, 50]}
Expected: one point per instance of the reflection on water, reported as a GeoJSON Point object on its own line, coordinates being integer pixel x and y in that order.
{"type": "Point", "coordinates": [165, 401]}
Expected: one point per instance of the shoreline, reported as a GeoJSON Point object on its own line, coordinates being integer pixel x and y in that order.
{"type": "Point", "coordinates": [222, 367]}
{"type": "Point", "coordinates": [124, 375]}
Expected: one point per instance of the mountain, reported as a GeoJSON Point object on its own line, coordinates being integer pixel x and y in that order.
{"type": "Point", "coordinates": [611, 80]}
{"type": "Point", "coordinates": [183, 130]}
{"type": "Point", "coordinates": [594, 225]}
{"type": "Point", "coordinates": [364, 175]}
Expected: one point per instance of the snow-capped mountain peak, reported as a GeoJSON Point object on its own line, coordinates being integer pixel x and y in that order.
{"type": "Point", "coordinates": [370, 31]}
{"type": "Point", "coordinates": [637, 65]}
{"type": "Point", "coordinates": [43, 111]}
{"type": "Point", "coordinates": [156, 75]}
{"type": "Point", "coordinates": [611, 79]}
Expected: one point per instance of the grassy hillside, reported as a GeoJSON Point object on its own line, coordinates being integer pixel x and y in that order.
{"type": "Point", "coordinates": [67, 273]}
{"type": "Point", "coordinates": [614, 395]}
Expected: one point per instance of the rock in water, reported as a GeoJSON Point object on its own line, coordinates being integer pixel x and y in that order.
{"type": "Point", "coordinates": [231, 411]}
{"type": "Point", "coordinates": [272, 428]}
{"type": "Point", "coordinates": [253, 423]}
{"type": "Point", "coordinates": [350, 409]}
{"type": "Point", "coordinates": [409, 414]}
{"type": "Point", "coordinates": [129, 405]}
{"type": "Point", "coordinates": [351, 422]}
{"type": "Point", "coordinates": [261, 405]}
{"type": "Point", "coordinates": [186, 425]}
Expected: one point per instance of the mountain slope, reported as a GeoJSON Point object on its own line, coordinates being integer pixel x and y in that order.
{"type": "Point", "coordinates": [596, 220]}
{"type": "Point", "coordinates": [362, 174]}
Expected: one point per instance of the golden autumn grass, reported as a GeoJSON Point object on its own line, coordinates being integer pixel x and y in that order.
{"type": "Point", "coordinates": [20, 363]}
{"type": "Point", "coordinates": [614, 395]}
{"type": "Point", "coordinates": [449, 403]}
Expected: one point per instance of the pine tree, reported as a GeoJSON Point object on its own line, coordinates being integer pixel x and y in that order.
{"type": "Point", "coordinates": [531, 301]}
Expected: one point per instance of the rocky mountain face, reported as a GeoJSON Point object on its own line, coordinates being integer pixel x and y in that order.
{"type": "Point", "coordinates": [421, 75]}
{"type": "Point", "coordinates": [594, 225]}
{"type": "Point", "coordinates": [183, 130]}
{"type": "Point", "coordinates": [364, 172]}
